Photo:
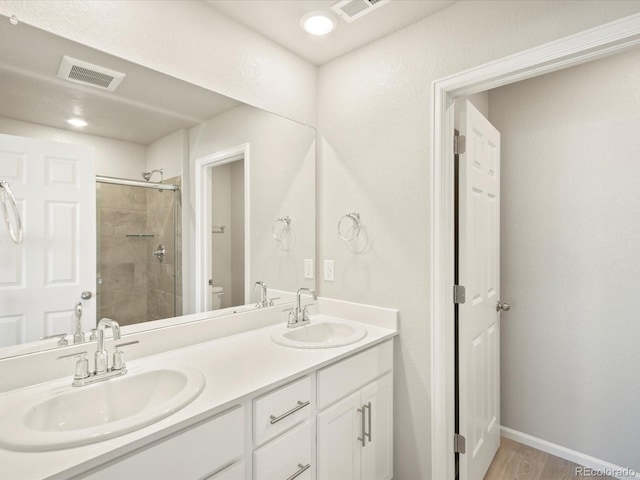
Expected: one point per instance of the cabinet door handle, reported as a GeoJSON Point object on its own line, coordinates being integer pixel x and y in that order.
{"type": "Point", "coordinates": [368, 407]}
{"type": "Point", "coordinates": [303, 468]}
{"type": "Point", "coordinates": [364, 433]}
{"type": "Point", "coordinates": [300, 406]}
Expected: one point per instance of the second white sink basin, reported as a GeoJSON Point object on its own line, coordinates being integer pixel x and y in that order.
{"type": "Point", "coordinates": [83, 415]}
{"type": "Point", "coordinates": [320, 334]}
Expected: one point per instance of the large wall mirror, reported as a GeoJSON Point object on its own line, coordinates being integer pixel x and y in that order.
{"type": "Point", "coordinates": [171, 200]}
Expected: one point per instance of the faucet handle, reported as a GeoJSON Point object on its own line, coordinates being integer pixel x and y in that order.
{"type": "Point", "coordinates": [118, 363]}
{"type": "Point", "coordinates": [82, 365]}
{"type": "Point", "coordinates": [62, 339]}
{"type": "Point", "coordinates": [271, 300]}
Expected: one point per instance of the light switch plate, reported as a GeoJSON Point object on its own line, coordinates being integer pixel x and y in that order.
{"type": "Point", "coordinates": [329, 270]}
{"type": "Point", "coordinates": [308, 268]}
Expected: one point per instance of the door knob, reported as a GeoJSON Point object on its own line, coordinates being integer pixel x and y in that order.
{"type": "Point", "coordinates": [505, 307]}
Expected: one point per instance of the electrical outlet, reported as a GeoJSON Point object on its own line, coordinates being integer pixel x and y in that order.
{"type": "Point", "coordinates": [329, 270]}
{"type": "Point", "coordinates": [308, 268]}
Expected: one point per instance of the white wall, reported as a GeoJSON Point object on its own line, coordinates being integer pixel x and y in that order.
{"type": "Point", "coordinates": [114, 158]}
{"type": "Point", "coordinates": [281, 171]}
{"type": "Point", "coordinates": [167, 153]}
{"type": "Point", "coordinates": [189, 40]}
{"type": "Point", "coordinates": [374, 119]}
{"type": "Point", "coordinates": [571, 256]}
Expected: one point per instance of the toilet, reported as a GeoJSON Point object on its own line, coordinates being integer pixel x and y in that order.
{"type": "Point", "coordinates": [216, 297]}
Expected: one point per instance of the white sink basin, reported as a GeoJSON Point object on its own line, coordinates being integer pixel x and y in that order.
{"type": "Point", "coordinates": [320, 334]}
{"type": "Point", "coordinates": [83, 415]}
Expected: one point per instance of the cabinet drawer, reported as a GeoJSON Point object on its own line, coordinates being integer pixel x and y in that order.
{"type": "Point", "coordinates": [339, 380]}
{"type": "Point", "coordinates": [285, 456]}
{"type": "Point", "coordinates": [281, 409]}
{"type": "Point", "coordinates": [191, 454]}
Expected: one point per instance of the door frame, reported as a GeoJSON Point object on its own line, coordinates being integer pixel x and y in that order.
{"type": "Point", "coordinates": [604, 40]}
{"type": "Point", "coordinates": [202, 243]}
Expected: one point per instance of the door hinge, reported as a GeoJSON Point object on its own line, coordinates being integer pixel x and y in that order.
{"type": "Point", "coordinates": [458, 294]}
{"type": "Point", "coordinates": [459, 444]}
{"type": "Point", "coordinates": [459, 144]}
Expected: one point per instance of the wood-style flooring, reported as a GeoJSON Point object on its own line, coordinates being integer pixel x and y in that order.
{"type": "Point", "coordinates": [515, 461]}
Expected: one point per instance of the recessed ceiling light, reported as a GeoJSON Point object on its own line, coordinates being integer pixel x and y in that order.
{"type": "Point", "coordinates": [76, 122]}
{"type": "Point", "coordinates": [317, 22]}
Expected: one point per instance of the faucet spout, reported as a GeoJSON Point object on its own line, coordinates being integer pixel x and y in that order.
{"type": "Point", "coordinates": [102, 361]}
{"type": "Point", "coordinates": [300, 291]}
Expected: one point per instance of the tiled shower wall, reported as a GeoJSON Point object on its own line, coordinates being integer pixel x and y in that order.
{"type": "Point", "coordinates": [132, 221]}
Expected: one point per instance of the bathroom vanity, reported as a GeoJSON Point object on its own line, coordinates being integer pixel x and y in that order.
{"type": "Point", "coordinates": [261, 410]}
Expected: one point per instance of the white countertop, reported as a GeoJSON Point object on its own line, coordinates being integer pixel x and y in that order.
{"type": "Point", "coordinates": [235, 367]}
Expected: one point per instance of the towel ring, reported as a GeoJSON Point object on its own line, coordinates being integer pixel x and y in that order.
{"type": "Point", "coordinates": [7, 195]}
{"type": "Point", "coordinates": [286, 221]}
{"type": "Point", "coordinates": [355, 218]}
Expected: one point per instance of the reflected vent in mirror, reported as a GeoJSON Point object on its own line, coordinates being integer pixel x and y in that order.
{"type": "Point", "coordinates": [350, 10]}
{"type": "Point", "coordinates": [89, 74]}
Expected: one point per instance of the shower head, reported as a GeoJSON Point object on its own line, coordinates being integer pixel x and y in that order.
{"type": "Point", "coordinates": [147, 175]}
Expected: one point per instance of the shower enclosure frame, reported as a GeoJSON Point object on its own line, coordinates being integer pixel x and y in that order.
{"type": "Point", "coordinates": [156, 186]}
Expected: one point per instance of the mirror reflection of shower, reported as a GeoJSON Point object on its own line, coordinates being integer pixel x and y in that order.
{"type": "Point", "coordinates": [147, 175]}
{"type": "Point", "coordinates": [138, 251]}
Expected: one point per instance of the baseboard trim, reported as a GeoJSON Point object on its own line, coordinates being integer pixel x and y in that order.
{"type": "Point", "coordinates": [568, 454]}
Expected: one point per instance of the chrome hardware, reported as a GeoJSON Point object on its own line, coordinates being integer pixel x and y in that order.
{"type": "Point", "coordinates": [82, 366]}
{"type": "Point", "coordinates": [302, 469]}
{"type": "Point", "coordinates": [86, 295]}
{"type": "Point", "coordinates": [458, 294]}
{"type": "Point", "coordinates": [272, 301]}
{"type": "Point", "coordinates": [299, 406]}
{"type": "Point", "coordinates": [263, 294]}
{"type": "Point", "coordinates": [160, 252]}
{"type": "Point", "coordinates": [300, 316]}
{"type": "Point", "coordinates": [505, 307]}
{"type": "Point", "coordinates": [94, 335]}
{"type": "Point", "coordinates": [62, 339]}
{"type": "Point", "coordinates": [459, 444]}
{"type": "Point", "coordinates": [355, 218]}
{"type": "Point", "coordinates": [286, 221]}
{"type": "Point", "coordinates": [7, 196]}
{"type": "Point", "coordinates": [364, 433]}
{"type": "Point", "coordinates": [459, 144]}
{"type": "Point", "coordinates": [118, 363]}
{"type": "Point", "coordinates": [218, 228]}
{"type": "Point", "coordinates": [368, 407]}
{"type": "Point", "coordinates": [78, 336]}
{"type": "Point", "coordinates": [102, 370]}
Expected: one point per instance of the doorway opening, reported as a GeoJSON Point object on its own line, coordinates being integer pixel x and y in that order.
{"type": "Point", "coordinates": [595, 43]}
{"type": "Point", "coordinates": [222, 229]}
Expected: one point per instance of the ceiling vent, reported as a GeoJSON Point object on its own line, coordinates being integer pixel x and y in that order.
{"type": "Point", "coordinates": [87, 73]}
{"type": "Point", "coordinates": [351, 10]}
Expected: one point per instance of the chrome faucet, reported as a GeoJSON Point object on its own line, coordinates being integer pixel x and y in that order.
{"type": "Point", "coordinates": [264, 301]}
{"type": "Point", "coordinates": [102, 356]}
{"type": "Point", "coordinates": [102, 370]}
{"type": "Point", "coordinates": [78, 336]}
{"type": "Point", "coordinates": [300, 316]}
{"type": "Point", "coordinates": [263, 294]}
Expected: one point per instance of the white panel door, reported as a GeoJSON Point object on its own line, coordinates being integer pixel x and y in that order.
{"type": "Point", "coordinates": [338, 450]}
{"type": "Point", "coordinates": [479, 273]}
{"type": "Point", "coordinates": [377, 453]}
{"type": "Point", "coordinates": [42, 279]}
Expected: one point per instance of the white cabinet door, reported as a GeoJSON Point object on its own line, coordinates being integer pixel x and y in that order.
{"type": "Point", "coordinates": [338, 450]}
{"type": "Point", "coordinates": [377, 453]}
{"type": "Point", "coordinates": [42, 279]}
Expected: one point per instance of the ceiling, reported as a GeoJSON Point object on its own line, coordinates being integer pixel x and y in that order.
{"type": "Point", "coordinates": [279, 20]}
{"type": "Point", "coordinates": [146, 106]}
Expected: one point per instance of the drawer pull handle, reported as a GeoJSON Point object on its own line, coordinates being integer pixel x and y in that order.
{"type": "Point", "coordinates": [300, 406]}
{"type": "Point", "coordinates": [303, 468]}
